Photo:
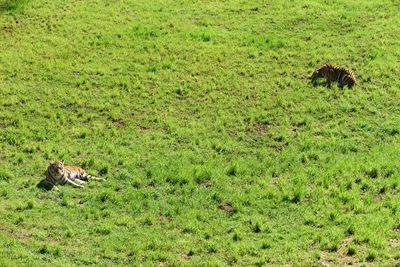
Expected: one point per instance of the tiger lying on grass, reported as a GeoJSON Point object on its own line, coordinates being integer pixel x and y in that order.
{"type": "Point", "coordinates": [334, 74]}
{"type": "Point", "coordinates": [57, 173]}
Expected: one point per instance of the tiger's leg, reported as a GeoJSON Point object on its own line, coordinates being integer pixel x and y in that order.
{"type": "Point", "coordinates": [79, 181]}
{"type": "Point", "coordinates": [342, 81]}
{"type": "Point", "coordinates": [314, 82]}
{"type": "Point", "coordinates": [328, 83]}
{"type": "Point", "coordinates": [85, 177]}
{"type": "Point", "coordinates": [75, 178]}
{"type": "Point", "coordinates": [69, 181]}
{"type": "Point", "coordinates": [97, 178]}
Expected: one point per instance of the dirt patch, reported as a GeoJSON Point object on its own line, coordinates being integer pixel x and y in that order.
{"type": "Point", "coordinates": [119, 123]}
{"type": "Point", "coordinates": [10, 28]}
{"type": "Point", "coordinates": [7, 29]}
{"type": "Point", "coordinates": [4, 230]}
{"type": "Point", "coordinates": [185, 257]}
{"type": "Point", "coordinates": [344, 258]}
{"type": "Point", "coordinates": [206, 184]}
{"type": "Point", "coordinates": [20, 234]}
{"type": "Point", "coordinates": [260, 128]}
{"type": "Point", "coordinates": [141, 128]}
{"type": "Point", "coordinates": [227, 207]}
{"type": "Point", "coordinates": [163, 218]}
{"type": "Point", "coordinates": [52, 240]}
{"type": "Point", "coordinates": [394, 243]}
{"type": "Point", "coordinates": [340, 257]}
{"type": "Point", "coordinates": [293, 130]}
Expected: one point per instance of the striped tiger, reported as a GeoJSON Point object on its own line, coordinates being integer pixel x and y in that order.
{"type": "Point", "coordinates": [334, 74]}
{"type": "Point", "coordinates": [57, 173]}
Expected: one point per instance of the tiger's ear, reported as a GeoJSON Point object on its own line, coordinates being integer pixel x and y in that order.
{"type": "Point", "coordinates": [62, 161]}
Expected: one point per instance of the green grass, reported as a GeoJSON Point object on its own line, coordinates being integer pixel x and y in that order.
{"type": "Point", "coordinates": [12, 6]}
{"type": "Point", "coordinates": [216, 148]}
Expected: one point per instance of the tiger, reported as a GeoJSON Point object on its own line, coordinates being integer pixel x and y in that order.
{"type": "Point", "coordinates": [334, 74]}
{"type": "Point", "coordinates": [58, 173]}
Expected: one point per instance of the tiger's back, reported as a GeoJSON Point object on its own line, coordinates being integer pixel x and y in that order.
{"type": "Point", "coordinates": [334, 74]}
{"type": "Point", "coordinates": [74, 169]}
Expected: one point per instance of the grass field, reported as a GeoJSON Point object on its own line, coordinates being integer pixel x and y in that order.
{"type": "Point", "coordinates": [216, 148]}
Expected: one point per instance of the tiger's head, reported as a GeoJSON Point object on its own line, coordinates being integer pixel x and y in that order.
{"type": "Point", "coordinates": [316, 75]}
{"type": "Point", "coordinates": [351, 82]}
{"type": "Point", "coordinates": [56, 167]}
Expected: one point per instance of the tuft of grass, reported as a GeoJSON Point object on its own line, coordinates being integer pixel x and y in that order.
{"type": "Point", "coordinates": [5, 175]}
{"type": "Point", "coordinates": [103, 230]}
{"type": "Point", "coordinates": [13, 5]}
{"type": "Point", "coordinates": [371, 255]}
{"type": "Point", "coordinates": [351, 250]}
{"type": "Point", "coordinates": [232, 170]}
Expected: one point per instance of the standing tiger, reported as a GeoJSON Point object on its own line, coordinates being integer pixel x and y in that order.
{"type": "Point", "coordinates": [57, 173]}
{"type": "Point", "coordinates": [334, 74]}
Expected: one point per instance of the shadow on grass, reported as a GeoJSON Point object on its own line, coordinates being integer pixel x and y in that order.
{"type": "Point", "coordinates": [45, 185]}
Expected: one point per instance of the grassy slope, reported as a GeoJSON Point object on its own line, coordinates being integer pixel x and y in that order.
{"type": "Point", "coordinates": [161, 98]}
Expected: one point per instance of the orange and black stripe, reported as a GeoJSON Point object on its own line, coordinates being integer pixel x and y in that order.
{"type": "Point", "coordinates": [57, 173]}
{"type": "Point", "coordinates": [334, 74]}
